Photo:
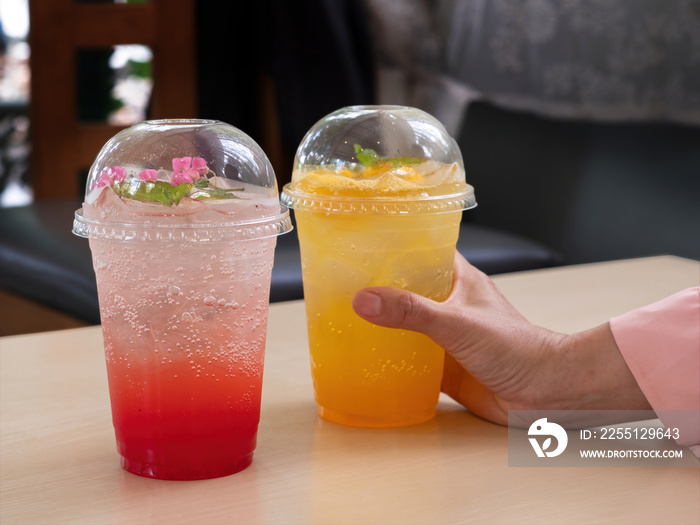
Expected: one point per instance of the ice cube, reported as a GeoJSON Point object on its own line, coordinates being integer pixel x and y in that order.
{"type": "Point", "coordinates": [104, 204]}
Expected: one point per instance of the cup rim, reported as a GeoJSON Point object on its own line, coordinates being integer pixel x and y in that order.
{"type": "Point", "coordinates": [181, 122]}
{"type": "Point", "coordinates": [259, 228]}
{"type": "Point", "coordinates": [378, 205]}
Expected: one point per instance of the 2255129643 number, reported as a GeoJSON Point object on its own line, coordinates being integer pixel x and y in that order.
{"type": "Point", "coordinates": [639, 433]}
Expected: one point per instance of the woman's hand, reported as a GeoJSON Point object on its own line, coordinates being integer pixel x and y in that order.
{"type": "Point", "coordinates": [497, 360]}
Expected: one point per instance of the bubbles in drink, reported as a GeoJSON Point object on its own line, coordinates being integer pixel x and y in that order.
{"type": "Point", "coordinates": [210, 300]}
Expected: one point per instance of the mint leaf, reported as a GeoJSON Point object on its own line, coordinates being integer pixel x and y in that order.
{"type": "Point", "coordinates": [217, 193]}
{"type": "Point", "coordinates": [366, 156]}
{"type": "Point", "coordinates": [404, 161]}
{"type": "Point", "coordinates": [158, 191]}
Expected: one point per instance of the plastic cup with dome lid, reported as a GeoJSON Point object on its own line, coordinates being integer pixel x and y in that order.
{"type": "Point", "coordinates": [378, 194]}
{"type": "Point", "coordinates": [182, 218]}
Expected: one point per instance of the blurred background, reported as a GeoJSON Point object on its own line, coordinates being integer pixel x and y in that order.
{"type": "Point", "coordinates": [578, 120]}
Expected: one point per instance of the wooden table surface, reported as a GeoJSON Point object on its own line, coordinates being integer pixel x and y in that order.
{"type": "Point", "coordinates": [58, 462]}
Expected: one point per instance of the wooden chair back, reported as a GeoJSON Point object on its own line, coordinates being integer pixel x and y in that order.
{"type": "Point", "coordinates": [62, 146]}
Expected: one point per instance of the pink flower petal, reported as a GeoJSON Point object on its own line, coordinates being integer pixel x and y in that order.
{"type": "Point", "coordinates": [179, 177]}
{"type": "Point", "coordinates": [118, 174]}
{"type": "Point", "coordinates": [106, 178]}
{"type": "Point", "coordinates": [193, 174]}
{"type": "Point", "coordinates": [149, 175]}
{"type": "Point", "coordinates": [199, 164]}
{"type": "Point", "coordinates": [182, 164]}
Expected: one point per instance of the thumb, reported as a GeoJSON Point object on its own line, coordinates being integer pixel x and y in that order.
{"type": "Point", "coordinates": [395, 308]}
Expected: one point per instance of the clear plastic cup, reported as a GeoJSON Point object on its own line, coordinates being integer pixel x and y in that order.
{"type": "Point", "coordinates": [377, 192]}
{"type": "Point", "coordinates": [182, 218]}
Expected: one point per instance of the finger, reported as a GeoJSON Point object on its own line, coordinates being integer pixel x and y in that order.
{"type": "Point", "coordinates": [395, 308]}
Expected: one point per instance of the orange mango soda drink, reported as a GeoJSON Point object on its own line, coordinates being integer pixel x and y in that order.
{"type": "Point", "coordinates": [182, 218]}
{"type": "Point", "coordinates": [377, 193]}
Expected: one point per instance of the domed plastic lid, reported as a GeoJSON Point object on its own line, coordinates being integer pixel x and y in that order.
{"type": "Point", "coordinates": [181, 181]}
{"type": "Point", "coordinates": [378, 159]}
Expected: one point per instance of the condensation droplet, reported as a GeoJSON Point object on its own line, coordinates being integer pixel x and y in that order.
{"type": "Point", "coordinates": [174, 290]}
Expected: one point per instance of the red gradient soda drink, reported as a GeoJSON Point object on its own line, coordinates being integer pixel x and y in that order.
{"type": "Point", "coordinates": [183, 259]}
{"type": "Point", "coordinates": [185, 359]}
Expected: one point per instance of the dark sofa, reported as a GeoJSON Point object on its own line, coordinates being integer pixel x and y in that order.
{"type": "Point", "coordinates": [592, 191]}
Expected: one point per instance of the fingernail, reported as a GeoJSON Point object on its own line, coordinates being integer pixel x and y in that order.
{"type": "Point", "coordinates": [368, 304]}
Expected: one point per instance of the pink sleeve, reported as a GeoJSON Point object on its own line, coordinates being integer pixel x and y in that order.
{"type": "Point", "coordinates": [661, 345]}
